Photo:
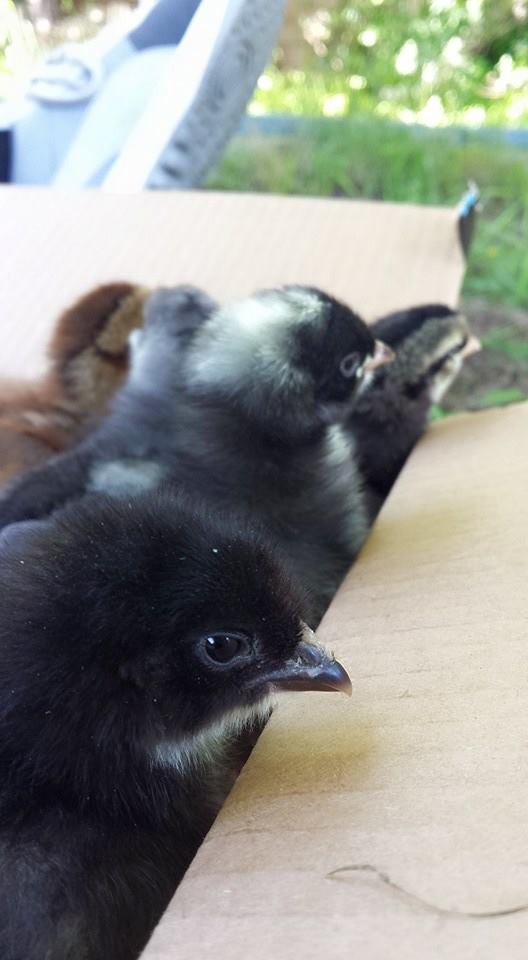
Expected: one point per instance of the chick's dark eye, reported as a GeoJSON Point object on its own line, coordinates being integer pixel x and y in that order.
{"type": "Point", "coordinates": [223, 647]}
{"type": "Point", "coordinates": [350, 365]}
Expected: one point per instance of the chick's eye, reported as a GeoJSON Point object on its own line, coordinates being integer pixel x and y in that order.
{"type": "Point", "coordinates": [223, 647]}
{"type": "Point", "coordinates": [350, 365]}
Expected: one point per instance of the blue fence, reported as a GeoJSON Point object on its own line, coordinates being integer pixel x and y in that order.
{"type": "Point", "coordinates": [285, 125]}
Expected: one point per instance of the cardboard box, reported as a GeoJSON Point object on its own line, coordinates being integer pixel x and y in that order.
{"type": "Point", "coordinates": [394, 824]}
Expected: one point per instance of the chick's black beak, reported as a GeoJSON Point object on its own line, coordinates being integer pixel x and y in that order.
{"type": "Point", "coordinates": [311, 668]}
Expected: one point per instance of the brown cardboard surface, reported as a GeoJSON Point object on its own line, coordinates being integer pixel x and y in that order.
{"type": "Point", "coordinates": [54, 246]}
{"type": "Point", "coordinates": [416, 790]}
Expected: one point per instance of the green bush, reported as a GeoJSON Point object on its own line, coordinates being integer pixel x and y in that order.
{"type": "Point", "coordinates": [431, 61]}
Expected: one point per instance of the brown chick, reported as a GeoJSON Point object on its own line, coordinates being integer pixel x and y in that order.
{"type": "Point", "coordinates": [88, 362]}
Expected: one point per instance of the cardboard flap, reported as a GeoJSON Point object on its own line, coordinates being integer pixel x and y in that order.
{"type": "Point", "coordinates": [55, 246]}
{"type": "Point", "coordinates": [395, 823]}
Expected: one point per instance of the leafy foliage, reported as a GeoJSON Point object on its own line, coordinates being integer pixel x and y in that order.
{"type": "Point", "coordinates": [428, 61]}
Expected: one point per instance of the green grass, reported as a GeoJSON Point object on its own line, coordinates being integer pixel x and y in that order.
{"type": "Point", "coordinates": [507, 340]}
{"type": "Point", "coordinates": [437, 413]}
{"type": "Point", "coordinates": [501, 397]}
{"type": "Point", "coordinates": [377, 160]}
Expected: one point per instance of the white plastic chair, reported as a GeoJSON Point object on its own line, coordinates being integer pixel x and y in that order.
{"type": "Point", "coordinates": [152, 108]}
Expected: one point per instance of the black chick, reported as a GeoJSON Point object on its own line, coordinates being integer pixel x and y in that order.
{"type": "Point", "coordinates": [243, 405]}
{"type": "Point", "coordinates": [431, 343]}
{"type": "Point", "coordinates": [136, 641]}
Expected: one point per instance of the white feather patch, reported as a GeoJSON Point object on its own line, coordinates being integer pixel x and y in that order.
{"type": "Point", "coordinates": [207, 746]}
{"type": "Point", "coordinates": [245, 342]}
{"type": "Point", "coordinates": [122, 477]}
